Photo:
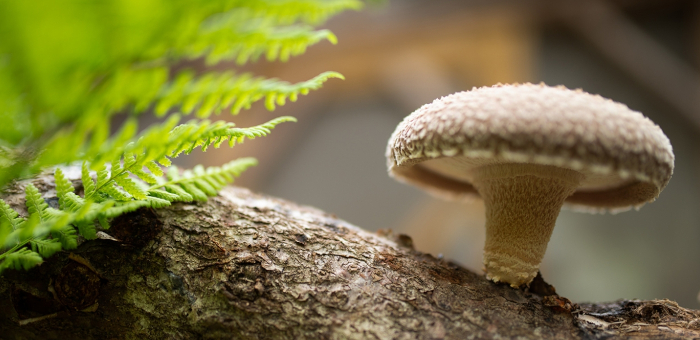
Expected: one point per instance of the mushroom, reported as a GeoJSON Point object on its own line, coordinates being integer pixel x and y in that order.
{"type": "Point", "coordinates": [526, 150]}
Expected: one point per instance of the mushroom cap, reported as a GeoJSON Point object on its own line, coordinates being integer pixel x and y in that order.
{"type": "Point", "coordinates": [625, 158]}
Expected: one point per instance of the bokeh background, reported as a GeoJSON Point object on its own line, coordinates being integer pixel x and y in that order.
{"type": "Point", "coordinates": [401, 54]}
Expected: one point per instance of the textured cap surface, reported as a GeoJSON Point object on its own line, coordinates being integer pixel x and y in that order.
{"type": "Point", "coordinates": [626, 158]}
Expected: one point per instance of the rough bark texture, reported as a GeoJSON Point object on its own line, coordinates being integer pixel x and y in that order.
{"type": "Point", "coordinates": [246, 266]}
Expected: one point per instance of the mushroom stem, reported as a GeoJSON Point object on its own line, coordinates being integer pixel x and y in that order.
{"type": "Point", "coordinates": [522, 204]}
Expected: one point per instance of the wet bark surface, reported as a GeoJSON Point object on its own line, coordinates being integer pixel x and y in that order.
{"type": "Point", "coordinates": [248, 266]}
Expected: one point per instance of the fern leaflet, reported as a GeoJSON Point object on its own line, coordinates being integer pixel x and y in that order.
{"type": "Point", "coordinates": [20, 259]}
{"type": "Point", "coordinates": [9, 217]}
{"type": "Point", "coordinates": [214, 92]}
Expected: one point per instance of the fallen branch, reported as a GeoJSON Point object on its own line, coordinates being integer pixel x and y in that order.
{"type": "Point", "coordinates": [248, 266]}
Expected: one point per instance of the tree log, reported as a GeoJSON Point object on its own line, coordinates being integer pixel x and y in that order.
{"type": "Point", "coordinates": [248, 266]}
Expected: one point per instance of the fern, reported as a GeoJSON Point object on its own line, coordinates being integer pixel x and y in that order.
{"type": "Point", "coordinates": [72, 92]}
{"type": "Point", "coordinates": [9, 218]}
{"type": "Point", "coordinates": [161, 143]}
{"type": "Point", "coordinates": [48, 231]}
{"type": "Point", "coordinates": [64, 72]}
{"type": "Point", "coordinates": [66, 236]}
{"type": "Point", "coordinates": [35, 204]}
{"type": "Point", "coordinates": [307, 11]}
{"type": "Point", "coordinates": [63, 188]}
{"type": "Point", "coordinates": [20, 259]}
{"type": "Point", "coordinates": [46, 248]}
{"type": "Point", "coordinates": [214, 92]}
{"type": "Point", "coordinates": [253, 36]}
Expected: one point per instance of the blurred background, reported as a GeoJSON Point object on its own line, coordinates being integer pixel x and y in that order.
{"type": "Point", "coordinates": [402, 54]}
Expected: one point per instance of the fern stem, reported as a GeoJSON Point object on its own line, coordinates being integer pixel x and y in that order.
{"type": "Point", "coordinates": [16, 247]}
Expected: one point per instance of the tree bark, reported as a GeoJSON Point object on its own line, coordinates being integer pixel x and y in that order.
{"type": "Point", "coordinates": [248, 266]}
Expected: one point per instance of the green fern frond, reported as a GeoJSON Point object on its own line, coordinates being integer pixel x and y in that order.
{"type": "Point", "coordinates": [61, 223]}
{"type": "Point", "coordinates": [276, 92]}
{"type": "Point", "coordinates": [308, 11]}
{"type": "Point", "coordinates": [9, 217]}
{"type": "Point", "coordinates": [20, 259]}
{"type": "Point", "coordinates": [237, 36]}
{"type": "Point", "coordinates": [31, 229]}
{"type": "Point", "coordinates": [131, 187]}
{"type": "Point", "coordinates": [102, 176]}
{"type": "Point", "coordinates": [164, 161]}
{"type": "Point", "coordinates": [69, 144]}
{"type": "Point", "coordinates": [181, 194]}
{"type": "Point", "coordinates": [201, 183]}
{"type": "Point", "coordinates": [253, 28]}
{"type": "Point", "coordinates": [191, 188]}
{"type": "Point", "coordinates": [212, 93]}
{"type": "Point", "coordinates": [156, 170]}
{"type": "Point", "coordinates": [51, 214]}
{"type": "Point", "coordinates": [57, 104]}
{"type": "Point", "coordinates": [214, 177]}
{"type": "Point", "coordinates": [35, 203]}
{"type": "Point", "coordinates": [125, 207]}
{"type": "Point", "coordinates": [114, 149]}
{"type": "Point", "coordinates": [67, 236]}
{"type": "Point", "coordinates": [147, 177]}
{"type": "Point", "coordinates": [72, 202]}
{"type": "Point", "coordinates": [158, 144]}
{"type": "Point", "coordinates": [103, 222]}
{"type": "Point", "coordinates": [170, 197]}
{"type": "Point", "coordinates": [87, 230]}
{"type": "Point", "coordinates": [88, 183]}
{"type": "Point", "coordinates": [157, 202]}
{"type": "Point", "coordinates": [63, 187]}
{"type": "Point", "coordinates": [98, 210]}
{"type": "Point", "coordinates": [81, 214]}
{"type": "Point", "coordinates": [239, 134]}
{"type": "Point", "coordinates": [173, 174]}
{"type": "Point", "coordinates": [44, 222]}
{"type": "Point", "coordinates": [5, 231]}
{"type": "Point", "coordinates": [46, 248]}
{"type": "Point", "coordinates": [115, 192]}
{"type": "Point", "coordinates": [48, 230]}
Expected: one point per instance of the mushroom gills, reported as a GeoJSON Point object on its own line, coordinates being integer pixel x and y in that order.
{"type": "Point", "coordinates": [594, 178]}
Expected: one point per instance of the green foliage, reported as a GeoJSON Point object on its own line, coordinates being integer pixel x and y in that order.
{"type": "Point", "coordinates": [213, 92]}
{"type": "Point", "coordinates": [9, 218]}
{"type": "Point", "coordinates": [68, 66]}
{"type": "Point", "coordinates": [21, 259]}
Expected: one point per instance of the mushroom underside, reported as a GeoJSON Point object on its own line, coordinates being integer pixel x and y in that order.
{"type": "Point", "coordinates": [630, 194]}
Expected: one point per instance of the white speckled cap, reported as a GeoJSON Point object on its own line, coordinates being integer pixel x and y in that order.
{"type": "Point", "coordinates": [626, 158]}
